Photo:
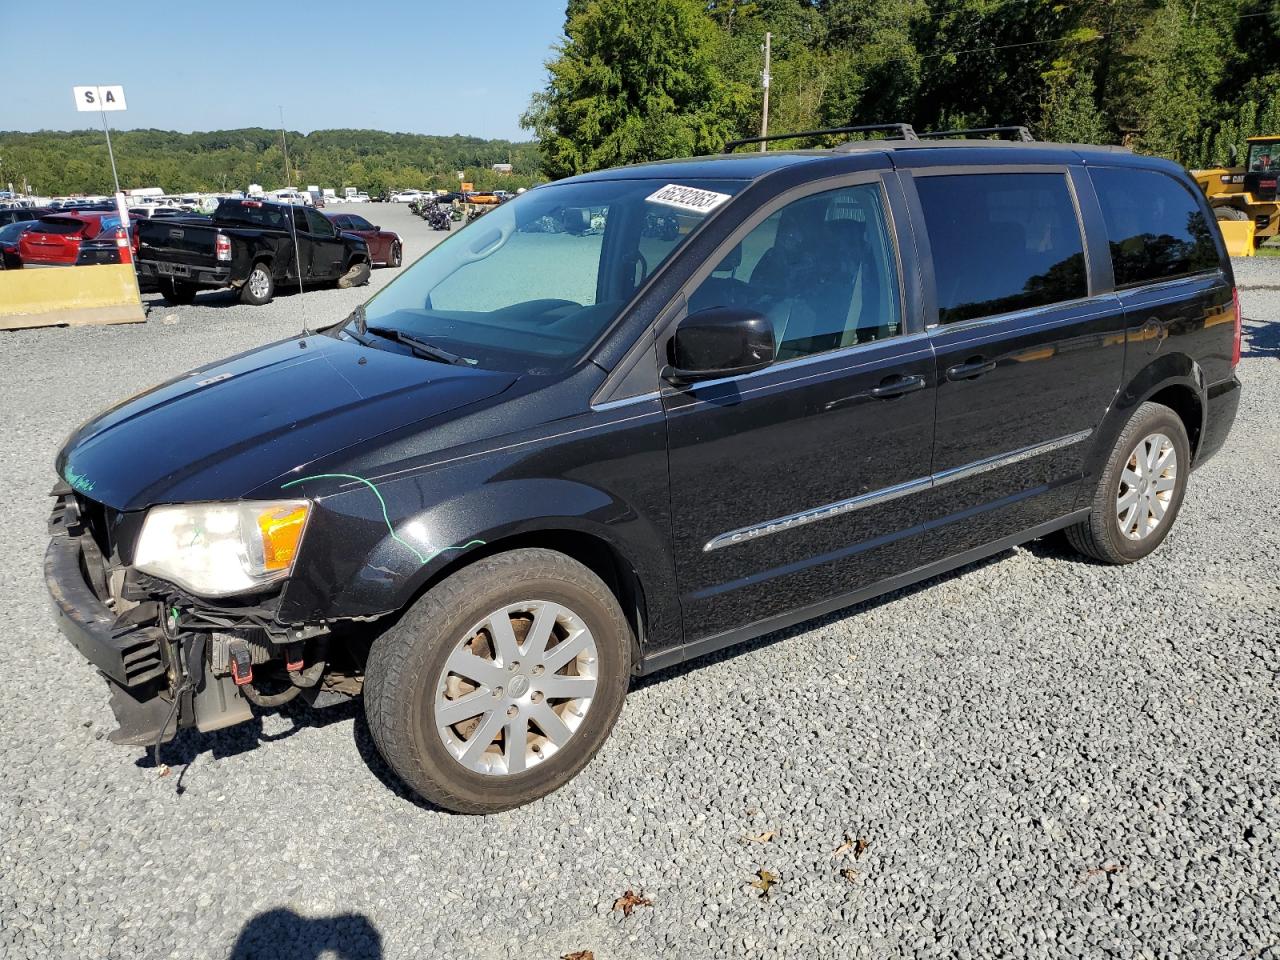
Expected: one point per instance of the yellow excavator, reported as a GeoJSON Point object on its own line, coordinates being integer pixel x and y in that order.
{"type": "Point", "coordinates": [1247, 193]}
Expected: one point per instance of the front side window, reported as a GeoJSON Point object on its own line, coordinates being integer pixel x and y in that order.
{"type": "Point", "coordinates": [536, 281]}
{"type": "Point", "coordinates": [1155, 227]}
{"type": "Point", "coordinates": [822, 271]}
{"type": "Point", "coordinates": [318, 223]}
{"type": "Point", "coordinates": [1002, 242]}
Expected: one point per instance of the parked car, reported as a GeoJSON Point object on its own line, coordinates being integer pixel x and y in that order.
{"type": "Point", "coordinates": [385, 247]}
{"type": "Point", "coordinates": [105, 247]}
{"type": "Point", "coordinates": [404, 196]}
{"type": "Point", "coordinates": [159, 211]}
{"type": "Point", "coordinates": [55, 239]}
{"type": "Point", "coordinates": [248, 245]}
{"type": "Point", "coordinates": [10, 234]}
{"type": "Point", "coordinates": [18, 214]}
{"type": "Point", "coordinates": [538, 464]}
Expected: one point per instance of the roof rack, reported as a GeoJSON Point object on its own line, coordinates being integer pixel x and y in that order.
{"type": "Point", "coordinates": [903, 130]}
{"type": "Point", "coordinates": [1019, 133]}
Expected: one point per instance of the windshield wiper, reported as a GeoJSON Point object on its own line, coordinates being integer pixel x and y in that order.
{"type": "Point", "coordinates": [418, 346]}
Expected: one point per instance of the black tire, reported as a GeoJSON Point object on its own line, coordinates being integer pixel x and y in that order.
{"type": "Point", "coordinates": [1229, 213]}
{"type": "Point", "coordinates": [259, 279]}
{"type": "Point", "coordinates": [356, 276]}
{"type": "Point", "coordinates": [396, 255]}
{"type": "Point", "coordinates": [407, 664]}
{"type": "Point", "coordinates": [1100, 536]}
{"type": "Point", "coordinates": [180, 291]}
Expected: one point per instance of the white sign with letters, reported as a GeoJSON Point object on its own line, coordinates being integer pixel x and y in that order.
{"type": "Point", "coordinates": [99, 98]}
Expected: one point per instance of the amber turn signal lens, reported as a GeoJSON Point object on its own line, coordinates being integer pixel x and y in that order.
{"type": "Point", "coordinates": [281, 531]}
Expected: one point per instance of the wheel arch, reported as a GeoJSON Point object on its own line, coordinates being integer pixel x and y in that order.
{"type": "Point", "coordinates": [594, 552]}
{"type": "Point", "coordinates": [1174, 380]}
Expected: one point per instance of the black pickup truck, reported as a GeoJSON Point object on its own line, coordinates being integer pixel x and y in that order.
{"type": "Point", "coordinates": [248, 245]}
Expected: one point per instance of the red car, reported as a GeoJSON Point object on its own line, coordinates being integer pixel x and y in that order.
{"type": "Point", "coordinates": [55, 239]}
{"type": "Point", "coordinates": [384, 246]}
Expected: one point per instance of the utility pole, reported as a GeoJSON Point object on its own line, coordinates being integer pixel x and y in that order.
{"type": "Point", "coordinates": [764, 79]}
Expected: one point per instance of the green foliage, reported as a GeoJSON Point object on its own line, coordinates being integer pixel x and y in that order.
{"type": "Point", "coordinates": [1188, 79]}
{"type": "Point", "coordinates": [58, 163]}
{"type": "Point", "coordinates": [634, 80]}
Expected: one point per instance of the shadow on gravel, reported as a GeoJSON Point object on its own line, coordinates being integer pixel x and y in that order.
{"type": "Point", "coordinates": [189, 744]}
{"type": "Point", "coordinates": [816, 623]}
{"type": "Point", "coordinates": [1261, 339]}
{"type": "Point", "coordinates": [284, 935]}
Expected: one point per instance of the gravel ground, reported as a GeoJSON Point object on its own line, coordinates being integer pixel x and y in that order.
{"type": "Point", "coordinates": [1032, 757]}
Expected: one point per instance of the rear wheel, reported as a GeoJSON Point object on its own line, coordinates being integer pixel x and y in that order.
{"type": "Point", "coordinates": [1229, 213]}
{"type": "Point", "coordinates": [500, 683]}
{"type": "Point", "coordinates": [180, 291]}
{"type": "Point", "coordinates": [1140, 491]}
{"type": "Point", "coordinates": [260, 287]}
{"type": "Point", "coordinates": [394, 259]}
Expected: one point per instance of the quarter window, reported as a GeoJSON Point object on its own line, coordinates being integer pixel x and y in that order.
{"type": "Point", "coordinates": [1002, 242]}
{"type": "Point", "coordinates": [1155, 227]}
{"type": "Point", "coordinates": [821, 270]}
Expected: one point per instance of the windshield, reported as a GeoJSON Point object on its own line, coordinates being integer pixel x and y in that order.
{"type": "Point", "coordinates": [532, 284]}
{"type": "Point", "coordinates": [1264, 157]}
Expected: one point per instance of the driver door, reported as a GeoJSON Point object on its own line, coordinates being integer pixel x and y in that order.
{"type": "Point", "coordinates": [797, 484]}
{"type": "Point", "coordinates": [327, 254]}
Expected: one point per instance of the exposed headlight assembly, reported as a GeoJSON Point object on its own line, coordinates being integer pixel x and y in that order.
{"type": "Point", "coordinates": [219, 549]}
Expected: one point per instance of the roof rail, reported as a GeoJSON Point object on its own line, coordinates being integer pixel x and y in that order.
{"type": "Point", "coordinates": [903, 130]}
{"type": "Point", "coordinates": [1019, 133]}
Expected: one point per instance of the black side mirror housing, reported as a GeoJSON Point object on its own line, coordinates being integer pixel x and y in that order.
{"type": "Point", "coordinates": [718, 342]}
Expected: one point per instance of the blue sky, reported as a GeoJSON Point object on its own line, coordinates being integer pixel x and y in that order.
{"type": "Point", "coordinates": [429, 67]}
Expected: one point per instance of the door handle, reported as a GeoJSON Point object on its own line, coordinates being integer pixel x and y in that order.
{"type": "Point", "coordinates": [896, 386]}
{"type": "Point", "coordinates": [971, 369]}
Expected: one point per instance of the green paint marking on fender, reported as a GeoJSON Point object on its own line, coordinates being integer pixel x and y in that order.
{"type": "Point", "coordinates": [423, 558]}
{"type": "Point", "coordinates": [79, 481]}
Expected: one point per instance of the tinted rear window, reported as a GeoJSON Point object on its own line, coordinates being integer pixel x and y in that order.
{"type": "Point", "coordinates": [1002, 242]}
{"type": "Point", "coordinates": [1155, 227]}
{"type": "Point", "coordinates": [59, 226]}
{"type": "Point", "coordinates": [271, 216]}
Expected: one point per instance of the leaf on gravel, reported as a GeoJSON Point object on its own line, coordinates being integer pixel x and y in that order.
{"type": "Point", "coordinates": [849, 874]}
{"type": "Point", "coordinates": [629, 901]}
{"type": "Point", "coordinates": [860, 847]}
{"type": "Point", "coordinates": [843, 848]}
{"type": "Point", "coordinates": [1105, 870]}
{"type": "Point", "coordinates": [762, 837]}
{"type": "Point", "coordinates": [164, 770]}
{"type": "Point", "coordinates": [578, 955]}
{"type": "Point", "coordinates": [764, 881]}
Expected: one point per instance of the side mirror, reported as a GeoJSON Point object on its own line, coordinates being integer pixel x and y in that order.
{"type": "Point", "coordinates": [718, 342]}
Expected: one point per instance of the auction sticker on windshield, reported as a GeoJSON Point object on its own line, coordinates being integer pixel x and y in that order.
{"type": "Point", "coordinates": [687, 198]}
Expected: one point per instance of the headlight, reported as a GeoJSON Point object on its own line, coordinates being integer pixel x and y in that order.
{"type": "Point", "coordinates": [217, 549]}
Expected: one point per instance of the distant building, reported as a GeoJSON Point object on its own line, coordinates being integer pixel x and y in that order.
{"type": "Point", "coordinates": [502, 168]}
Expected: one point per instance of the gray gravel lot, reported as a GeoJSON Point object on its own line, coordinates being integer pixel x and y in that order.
{"type": "Point", "coordinates": [1034, 756]}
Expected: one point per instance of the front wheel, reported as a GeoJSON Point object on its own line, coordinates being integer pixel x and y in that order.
{"type": "Point", "coordinates": [1140, 491]}
{"type": "Point", "coordinates": [356, 276]}
{"type": "Point", "coordinates": [1229, 213]}
{"type": "Point", "coordinates": [501, 683]}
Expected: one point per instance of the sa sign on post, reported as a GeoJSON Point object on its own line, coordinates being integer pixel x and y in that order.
{"type": "Point", "coordinates": [99, 98]}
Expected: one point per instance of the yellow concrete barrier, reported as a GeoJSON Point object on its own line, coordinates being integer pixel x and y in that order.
{"type": "Point", "coordinates": [1239, 237]}
{"type": "Point", "coordinates": [76, 296]}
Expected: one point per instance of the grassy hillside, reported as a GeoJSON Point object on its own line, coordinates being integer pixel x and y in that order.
{"type": "Point", "coordinates": [57, 162]}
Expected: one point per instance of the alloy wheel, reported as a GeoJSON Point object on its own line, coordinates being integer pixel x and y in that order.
{"type": "Point", "coordinates": [1147, 485]}
{"type": "Point", "coordinates": [258, 282]}
{"type": "Point", "coordinates": [516, 688]}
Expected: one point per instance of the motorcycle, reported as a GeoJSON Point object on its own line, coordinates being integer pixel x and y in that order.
{"type": "Point", "coordinates": [437, 217]}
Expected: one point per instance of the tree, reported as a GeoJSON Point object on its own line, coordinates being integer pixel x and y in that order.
{"type": "Point", "coordinates": [633, 80]}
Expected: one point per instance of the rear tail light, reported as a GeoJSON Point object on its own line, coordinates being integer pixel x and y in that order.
{"type": "Point", "coordinates": [222, 246]}
{"type": "Point", "coordinates": [1235, 349]}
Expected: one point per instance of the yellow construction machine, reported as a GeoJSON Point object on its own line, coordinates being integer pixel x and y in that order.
{"type": "Point", "coordinates": [1247, 193]}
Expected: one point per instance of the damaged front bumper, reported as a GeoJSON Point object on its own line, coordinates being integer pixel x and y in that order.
{"type": "Point", "coordinates": [162, 676]}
